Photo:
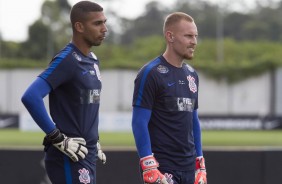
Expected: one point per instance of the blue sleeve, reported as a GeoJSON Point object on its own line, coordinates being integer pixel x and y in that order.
{"type": "Point", "coordinates": [33, 101]}
{"type": "Point", "coordinates": [197, 134]}
{"type": "Point", "coordinates": [140, 121]}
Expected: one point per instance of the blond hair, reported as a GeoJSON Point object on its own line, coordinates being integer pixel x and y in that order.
{"type": "Point", "coordinates": [174, 18]}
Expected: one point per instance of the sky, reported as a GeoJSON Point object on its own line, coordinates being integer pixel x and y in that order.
{"type": "Point", "coordinates": [17, 15]}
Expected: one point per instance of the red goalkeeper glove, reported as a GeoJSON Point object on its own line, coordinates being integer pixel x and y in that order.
{"type": "Point", "coordinates": [201, 173]}
{"type": "Point", "coordinates": [151, 174]}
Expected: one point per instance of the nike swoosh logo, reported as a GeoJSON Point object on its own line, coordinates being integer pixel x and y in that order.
{"type": "Point", "coordinates": [170, 84]}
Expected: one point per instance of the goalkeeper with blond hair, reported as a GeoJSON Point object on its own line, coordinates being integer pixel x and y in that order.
{"type": "Point", "coordinates": [165, 120]}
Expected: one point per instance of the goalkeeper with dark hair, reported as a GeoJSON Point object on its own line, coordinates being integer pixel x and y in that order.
{"type": "Point", "coordinates": [73, 83]}
{"type": "Point", "coordinates": [165, 121]}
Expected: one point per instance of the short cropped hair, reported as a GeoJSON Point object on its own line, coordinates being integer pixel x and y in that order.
{"type": "Point", "coordinates": [80, 10]}
{"type": "Point", "coordinates": [175, 17]}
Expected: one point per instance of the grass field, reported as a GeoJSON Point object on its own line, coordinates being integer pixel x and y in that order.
{"type": "Point", "coordinates": [11, 138]}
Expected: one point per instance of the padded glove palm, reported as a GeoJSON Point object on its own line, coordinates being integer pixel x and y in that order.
{"type": "Point", "coordinates": [74, 147]}
{"type": "Point", "coordinates": [101, 154]}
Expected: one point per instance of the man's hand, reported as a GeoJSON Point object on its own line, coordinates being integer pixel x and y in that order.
{"type": "Point", "coordinates": [151, 174]}
{"type": "Point", "coordinates": [101, 154]}
{"type": "Point", "coordinates": [200, 174]}
{"type": "Point", "coordinates": [73, 147]}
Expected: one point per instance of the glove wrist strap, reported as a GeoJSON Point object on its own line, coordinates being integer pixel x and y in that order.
{"type": "Point", "coordinates": [55, 136]}
{"type": "Point", "coordinates": [148, 162]}
{"type": "Point", "coordinates": [200, 163]}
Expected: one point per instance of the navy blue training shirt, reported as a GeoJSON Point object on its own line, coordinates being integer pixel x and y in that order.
{"type": "Point", "coordinates": [171, 94]}
{"type": "Point", "coordinates": [75, 97]}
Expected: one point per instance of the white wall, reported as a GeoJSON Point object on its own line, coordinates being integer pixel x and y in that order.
{"type": "Point", "coordinates": [251, 96]}
{"type": "Point", "coordinates": [117, 90]}
{"type": "Point", "coordinates": [278, 92]}
{"type": "Point", "coordinates": [14, 83]}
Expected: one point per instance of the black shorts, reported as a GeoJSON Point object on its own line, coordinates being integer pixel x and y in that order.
{"type": "Point", "coordinates": [177, 177]}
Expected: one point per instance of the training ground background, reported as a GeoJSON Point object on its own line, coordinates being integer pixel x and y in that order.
{"type": "Point", "coordinates": [252, 104]}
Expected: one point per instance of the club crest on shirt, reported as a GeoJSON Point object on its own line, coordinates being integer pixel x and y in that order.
{"type": "Point", "coordinates": [84, 176]}
{"type": "Point", "coordinates": [192, 85]}
{"type": "Point", "coordinates": [162, 69]}
{"type": "Point", "coordinates": [168, 178]}
{"type": "Point", "coordinates": [76, 56]}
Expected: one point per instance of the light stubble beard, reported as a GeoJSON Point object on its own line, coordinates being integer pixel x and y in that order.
{"type": "Point", "coordinates": [188, 57]}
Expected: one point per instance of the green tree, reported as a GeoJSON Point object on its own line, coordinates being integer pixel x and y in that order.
{"type": "Point", "coordinates": [9, 49]}
{"type": "Point", "coordinates": [35, 47]}
{"type": "Point", "coordinates": [235, 21]}
{"type": "Point", "coordinates": [146, 25]}
{"type": "Point", "coordinates": [49, 33]}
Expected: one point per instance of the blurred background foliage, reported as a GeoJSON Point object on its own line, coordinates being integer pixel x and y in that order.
{"type": "Point", "coordinates": [232, 45]}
